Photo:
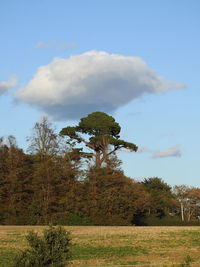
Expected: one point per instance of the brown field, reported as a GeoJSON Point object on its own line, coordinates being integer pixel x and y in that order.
{"type": "Point", "coordinates": [116, 246]}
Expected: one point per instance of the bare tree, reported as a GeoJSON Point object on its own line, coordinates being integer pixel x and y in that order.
{"type": "Point", "coordinates": [180, 191]}
{"type": "Point", "coordinates": [43, 141]}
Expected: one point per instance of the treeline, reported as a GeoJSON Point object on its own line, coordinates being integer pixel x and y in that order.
{"type": "Point", "coordinates": [56, 182]}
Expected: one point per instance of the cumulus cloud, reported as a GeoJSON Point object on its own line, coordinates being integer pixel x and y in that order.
{"type": "Point", "coordinates": [169, 152]}
{"type": "Point", "coordinates": [96, 80]}
{"type": "Point", "coordinates": [4, 86]}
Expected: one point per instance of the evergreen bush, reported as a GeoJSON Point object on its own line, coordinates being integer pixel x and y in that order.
{"type": "Point", "coordinates": [52, 249]}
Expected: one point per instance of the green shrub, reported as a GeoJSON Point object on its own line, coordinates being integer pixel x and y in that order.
{"type": "Point", "coordinates": [167, 221]}
{"type": "Point", "coordinates": [73, 219]}
{"type": "Point", "coordinates": [187, 262]}
{"type": "Point", "coordinates": [51, 249]}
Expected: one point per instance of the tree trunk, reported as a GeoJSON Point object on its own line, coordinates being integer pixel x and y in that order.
{"type": "Point", "coordinates": [182, 212]}
{"type": "Point", "coordinates": [98, 160]}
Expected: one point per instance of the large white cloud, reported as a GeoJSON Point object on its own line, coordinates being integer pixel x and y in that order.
{"type": "Point", "coordinates": [73, 87]}
{"type": "Point", "coordinates": [4, 86]}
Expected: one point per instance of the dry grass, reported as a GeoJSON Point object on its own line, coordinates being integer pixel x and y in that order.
{"type": "Point", "coordinates": [115, 246]}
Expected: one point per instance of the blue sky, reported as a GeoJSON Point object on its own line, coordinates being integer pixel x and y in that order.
{"type": "Point", "coordinates": [92, 49]}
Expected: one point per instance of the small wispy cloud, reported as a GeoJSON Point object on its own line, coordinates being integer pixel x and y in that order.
{"type": "Point", "coordinates": [56, 46]}
{"type": "Point", "coordinates": [173, 151]}
{"type": "Point", "coordinates": [169, 152]}
{"type": "Point", "coordinates": [66, 46]}
{"type": "Point", "coordinates": [42, 45]}
{"type": "Point", "coordinates": [6, 85]}
{"type": "Point", "coordinates": [144, 149]}
{"type": "Point", "coordinates": [169, 134]}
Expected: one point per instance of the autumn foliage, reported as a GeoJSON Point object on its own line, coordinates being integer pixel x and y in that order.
{"type": "Point", "coordinates": [57, 182]}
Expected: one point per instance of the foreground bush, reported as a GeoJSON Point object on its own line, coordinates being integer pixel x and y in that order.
{"type": "Point", "coordinates": [51, 249]}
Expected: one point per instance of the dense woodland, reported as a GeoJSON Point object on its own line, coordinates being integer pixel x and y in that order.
{"type": "Point", "coordinates": [75, 178]}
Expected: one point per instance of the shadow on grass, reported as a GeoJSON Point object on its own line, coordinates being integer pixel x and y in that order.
{"type": "Point", "coordinates": [90, 252]}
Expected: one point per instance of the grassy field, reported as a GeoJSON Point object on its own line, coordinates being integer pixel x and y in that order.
{"type": "Point", "coordinates": [115, 246]}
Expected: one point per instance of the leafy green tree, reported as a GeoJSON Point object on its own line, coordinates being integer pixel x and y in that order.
{"type": "Point", "coordinates": [160, 195]}
{"type": "Point", "coordinates": [100, 133]}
